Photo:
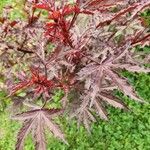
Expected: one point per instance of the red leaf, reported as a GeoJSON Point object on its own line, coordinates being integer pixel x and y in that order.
{"type": "Point", "coordinates": [55, 15]}
{"type": "Point", "coordinates": [13, 23]}
{"type": "Point", "coordinates": [68, 9]}
{"type": "Point", "coordinates": [40, 82]}
{"type": "Point", "coordinates": [42, 6]}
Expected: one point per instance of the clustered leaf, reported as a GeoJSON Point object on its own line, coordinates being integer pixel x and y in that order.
{"type": "Point", "coordinates": [78, 47]}
{"type": "Point", "coordinates": [37, 120]}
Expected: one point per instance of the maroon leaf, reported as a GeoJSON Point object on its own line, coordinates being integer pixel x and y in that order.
{"type": "Point", "coordinates": [36, 121]}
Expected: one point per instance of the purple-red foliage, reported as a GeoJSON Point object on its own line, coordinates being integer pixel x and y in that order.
{"type": "Point", "coordinates": [80, 47]}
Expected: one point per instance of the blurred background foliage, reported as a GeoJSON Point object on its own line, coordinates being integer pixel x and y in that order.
{"type": "Point", "coordinates": [124, 131]}
{"type": "Point", "coordinates": [16, 12]}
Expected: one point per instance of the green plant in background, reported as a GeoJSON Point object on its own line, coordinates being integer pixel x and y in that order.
{"type": "Point", "coordinates": [146, 18]}
{"type": "Point", "coordinates": [16, 11]}
{"type": "Point", "coordinates": [4, 101]}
